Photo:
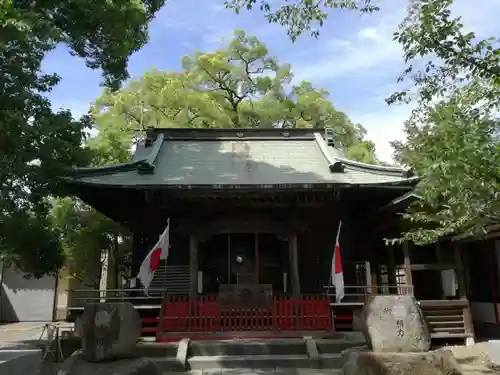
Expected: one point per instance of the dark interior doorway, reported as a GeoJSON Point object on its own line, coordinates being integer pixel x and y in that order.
{"type": "Point", "coordinates": [242, 258]}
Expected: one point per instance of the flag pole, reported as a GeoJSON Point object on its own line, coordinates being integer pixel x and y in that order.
{"type": "Point", "coordinates": [337, 239]}
{"type": "Point", "coordinates": [165, 264]}
{"type": "Point", "coordinates": [168, 252]}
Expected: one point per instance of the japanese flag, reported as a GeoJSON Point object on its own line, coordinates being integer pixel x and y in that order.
{"type": "Point", "coordinates": [337, 274]}
{"type": "Point", "coordinates": [152, 261]}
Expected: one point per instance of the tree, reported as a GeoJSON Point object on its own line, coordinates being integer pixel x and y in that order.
{"type": "Point", "coordinates": [456, 86]}
{"type": "Point", "coordinates": [239, 86]}
{"type": "Point", "coordinates": [37, 143]}
{"type": "Point", "coordinates": [454, 145]}
{"type": "Point", "coordinates": [453, 134]}
{"type": "Point", "coordinates": [85, 234]}
{"type": "Point", "coordinates": [301, 16]}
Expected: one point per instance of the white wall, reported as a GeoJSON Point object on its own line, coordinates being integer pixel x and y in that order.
{"type": "Point", "coordinates": [25, 300]}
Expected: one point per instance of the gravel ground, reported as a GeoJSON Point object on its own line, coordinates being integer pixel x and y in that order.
{"type": "Point", "coordinates": [473, 359]}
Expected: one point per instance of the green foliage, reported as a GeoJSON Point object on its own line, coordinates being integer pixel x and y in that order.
{"type": "Point", "coordinates": [457, 150]}
{"type": "Point", "coordinates": [84, 234]}
{"type": "Point", "coordinates": [239, 85]}
{"type": "Point", "coordinates": [453, 134]}
{"type": "Point", "coordinates": [299, 16]}
{"type": "Point", "coordinates": [455, 57]}
{"type": "Point", "coordinates": [37, 143]}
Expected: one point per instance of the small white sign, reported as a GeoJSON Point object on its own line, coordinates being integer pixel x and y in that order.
{"type": "Point", "coordinates": [399, 312]}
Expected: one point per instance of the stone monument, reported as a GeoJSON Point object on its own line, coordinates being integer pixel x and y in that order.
{"type": "Point", "coordinates": [395, 324]}
{"type": "Point", "coordinates": [109, 333]}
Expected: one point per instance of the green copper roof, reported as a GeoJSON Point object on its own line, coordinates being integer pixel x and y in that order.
{"type": "Point", "coordinates": [239, 158]}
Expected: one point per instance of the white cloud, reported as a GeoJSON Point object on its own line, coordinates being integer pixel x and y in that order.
{"type": "Point", "coordinates": [384, 126]}
{"type": "Point", "coordinates": [369, 33]}
{"type": "Point", "coordinates": [369, 47]}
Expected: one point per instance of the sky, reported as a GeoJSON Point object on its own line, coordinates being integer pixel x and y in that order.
{"type": "Point", "coordinates": [354, 57]}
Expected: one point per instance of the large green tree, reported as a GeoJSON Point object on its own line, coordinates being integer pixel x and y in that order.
{"type": "Point", "coordinates": [37, 143]}
{"type": "Point", "coordinates": [239, 85]}
{"type": "Point", "coordinates": [453, 135]}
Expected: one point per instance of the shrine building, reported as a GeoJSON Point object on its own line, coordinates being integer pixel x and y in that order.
{"type": "Point", "coordinates": [253, 223]}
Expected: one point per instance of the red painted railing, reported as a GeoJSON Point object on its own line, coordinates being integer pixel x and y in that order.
{"type": "Point", "coordinates": [206, 314]}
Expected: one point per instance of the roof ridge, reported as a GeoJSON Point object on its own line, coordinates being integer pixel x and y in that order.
{"type": "Point", "coordinates": [147, 164]}
{"type": "Point", "coordinates": [333, 163]}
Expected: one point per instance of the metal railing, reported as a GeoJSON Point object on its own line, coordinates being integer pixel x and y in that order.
{"type": "Point", "coordinates": [358, 293]}
{"type": "Point", "coordinates": [353, 294]}
{"type": "Point", "coordinates": [79, 297]}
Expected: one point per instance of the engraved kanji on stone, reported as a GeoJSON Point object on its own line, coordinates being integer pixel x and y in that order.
{"type": "Point", "coordinates": [400, 326]}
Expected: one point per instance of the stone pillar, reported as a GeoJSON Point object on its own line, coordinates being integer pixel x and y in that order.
{"type": "Point", "coordinates": [193, 266]}
{"type": "Point", "coordinates": [294, 264]}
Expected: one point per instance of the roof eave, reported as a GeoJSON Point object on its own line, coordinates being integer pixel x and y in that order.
{"type": "Point", "coordinates": [145, 165]}
{"type": "Point", "coordinates": [338, 164]}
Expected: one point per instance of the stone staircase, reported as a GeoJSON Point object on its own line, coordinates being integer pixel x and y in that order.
{"type": "Point", "coordinates": [174, 279]}
{"type": "Point", "coordinates": [264, 354]}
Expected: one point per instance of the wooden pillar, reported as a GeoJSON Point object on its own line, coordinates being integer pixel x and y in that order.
{"type": "Point", "coordinates": [294, 264]}
{"type": "Point", "coordinates": [459, 270]}
{"type": "Point", "coordinates": [257, 257]}
{"type": "Point", "coordinates": [441, 259]}
{"type": "Point", "coordinates": [407, 264]}
{"type": "Point", "coordinates": [193, 266]}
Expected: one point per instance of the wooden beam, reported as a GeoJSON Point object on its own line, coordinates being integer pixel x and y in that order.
{"type": "Point", "coordinates": [432, 267]}
{"type": "Point", "coordinates": [408, 265]}
{"type": "Point", "coordinates": [193, 266]}
{"type": "Point", "coordinates": [294, 265]}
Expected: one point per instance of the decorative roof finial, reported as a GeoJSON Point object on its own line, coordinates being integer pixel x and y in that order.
{"type": "Point", "coordinates": [329, 136]}
{"type": "Point", "coordinates": [150, 136]}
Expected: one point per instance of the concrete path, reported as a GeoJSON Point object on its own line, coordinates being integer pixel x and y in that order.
{"type": "Point", "coordinates": [20, 351]}
{"type": "Point", "coordinates": [20, 334]}
{"type": "Point", "coordinates": [249, 371]}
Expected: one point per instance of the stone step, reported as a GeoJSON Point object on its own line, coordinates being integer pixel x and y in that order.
{"type": "Point", "coordinates": [156, 349]}
{"type": "Point", "coordinates": [337, 345]}
{"type": "Point", "coordinates": [258, 371]}
{"type": "Point", "coordinates": [169, 364]}
{"type": "Point", "coordinates": [264, 361]}
{"type": "Point", "coordinates": [247, 347]}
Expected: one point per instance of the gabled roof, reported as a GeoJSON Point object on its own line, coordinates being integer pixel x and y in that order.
{"type": "Point", "coordinates": [239, 158]}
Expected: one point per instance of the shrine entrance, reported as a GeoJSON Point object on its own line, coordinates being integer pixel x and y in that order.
{"type": "Point", "coordinates": [243, 259]}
